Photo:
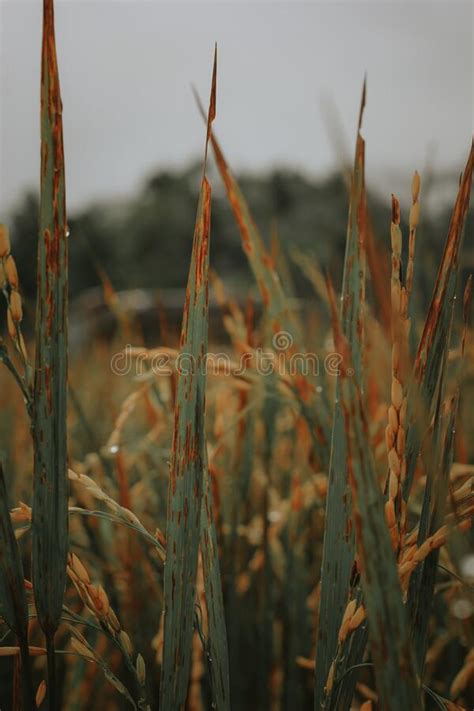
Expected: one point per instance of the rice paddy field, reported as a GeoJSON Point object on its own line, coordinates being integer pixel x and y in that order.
{"type": "Point", "coordinates": [273, 521]}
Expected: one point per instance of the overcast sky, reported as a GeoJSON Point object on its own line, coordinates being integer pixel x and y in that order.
{"type": "Point", "coordinates": [126, 69]}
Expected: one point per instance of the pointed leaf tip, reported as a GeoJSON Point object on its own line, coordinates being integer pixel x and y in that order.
{"type": "Point", "coordinates": [212, 103]}
{"type": "Point", "coordinates": [362, 102]}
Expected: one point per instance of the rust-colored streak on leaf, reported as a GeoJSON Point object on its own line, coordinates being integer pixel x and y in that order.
{"type": "Point", "coordinates": [204, 227]}
{"type": "Point", "coordinates": [212, 103]}
{"type": "Point", "coordinates": [340, 341]}
{"type": "Point", "coordinates": [466, 312]}
{"type": "Point", "coordinates": [362, 104]}
{"type": "Point", "coordinates": [449, 259]}
{"type": "Point", "coordinates": [51, 245]}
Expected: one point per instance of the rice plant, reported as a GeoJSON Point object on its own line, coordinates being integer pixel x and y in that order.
{"type": "Point", "coordinates": [281, 527]}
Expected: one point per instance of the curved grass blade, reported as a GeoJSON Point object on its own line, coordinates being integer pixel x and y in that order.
{"type": "Point", "coordinates": [394, 664]}
{"type": "Point", "coordinates": [275, 301]}
{"type": "Point", "coordinates": [339, 545]}
{"type": "Point", "coordinates": [440, 458]}
{"type": "Point", "coordinates": [13, 606]}
{"type": "Point", "coordinates": [434, 340]}
{"type": "Point", "coordinates": [50, 516]}
{"type": "Point", "coordinates": [188, 460]}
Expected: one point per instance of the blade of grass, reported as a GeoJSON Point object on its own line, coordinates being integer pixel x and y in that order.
{"type": "Point", "coordinates": [274, 299]}
{"type": "Point", "coordinates": [188, 461]}
{"type": "Point", "coordinates": [433, 343]}
{"type": "Point", "coordinates": [422, 581]}
{"type": "Point", "coordinates": [440, 458]}
{"type": "Point", "coordinates": [339, 546]}
{"type": "Point", "coordinates": [394, 664]}
{"type": "Point", "coordinates": [50, 516]}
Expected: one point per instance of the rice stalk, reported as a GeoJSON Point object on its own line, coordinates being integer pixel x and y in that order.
{"type": "Point", "coordinates": [13, 606]}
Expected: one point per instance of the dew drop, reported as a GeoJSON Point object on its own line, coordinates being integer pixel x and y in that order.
{"type": "Point", "coordinates": [467, 566]}
{"type": "Point", "coordinates": [274, 516]}
{"type": "Point", "coordinates": [462, 608]}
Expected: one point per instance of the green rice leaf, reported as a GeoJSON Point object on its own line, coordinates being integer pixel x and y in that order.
{"type": "Point", "coordinates": [188, 461]}
{"type": "Point", "coordinates": [395, 670]}
{"type": "Point", "coordinates": [339, 546]}
{"type": "Point", "coordinates": [422, 581]}
{"type": "Point", "coordinates": [50, 516]}
{"type": "Point", "coordinates": [434, 341]}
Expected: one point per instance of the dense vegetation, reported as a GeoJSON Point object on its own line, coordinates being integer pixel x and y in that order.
{"type": "Point", "coordinates": [134, 239]}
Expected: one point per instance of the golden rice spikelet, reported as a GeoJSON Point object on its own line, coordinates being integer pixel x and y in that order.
{"type": "Point", "coordinates": [395, 296]}
{"type": "Point", "coordinates": [11, 272]}
{"type": "Point", "coordinates": [81, 649]}
{"type": "Point", "coordinates": [4, 241]}
{"type": "Point", "coordinates": [393, 418]}
{"type": "Point", "coordinates": [11, 326]}
{"type": "Point", "coordinates": [126, 642]}
{"type": "Point", "coordinates": [16, 306]}
{"type": "Point", "coordinates": [396, 238]}
{"type": "Point", "coordinates": [440, 537]}
{"type": "Point", "coordinates": [40, 693]}
{"type": "Point", "coordinates": [413, 224]}
{"type": "Point", "coordinates": [397, 393]}
{"type": "Point", "coordinates": [390, 513]}
{"type": "Point", "coordinates": [395, 356]}
{"type": "Point", "coordinates": [113, 622]}
{"type": "Point", "coordinates": [140, 667]}
{"type": "Point", "coordinates": [415, 186]}
{"type": "Point", "coordinates": [414, 215]}
{"type": "Point", "coordinates": [330, 679]}
{"type": "Point", "coordinates": [100, 600]}
{"type": "Point", "coordinates": [349, 612]}
{"type": "Point", "coordinates": [21, 513]}
{"type": "Point", "coordinates": [78, 568]}
{"type": "Point", "coordinates": [394, 462]}
{"type": "Point", "coordinates": [405, 568]}
{"type": "Point", "coordinates": [401, 441]}
{"type": "Point", "coordinates": [357, 618]}
{"type": "Point", "coordinates": [389, 437]}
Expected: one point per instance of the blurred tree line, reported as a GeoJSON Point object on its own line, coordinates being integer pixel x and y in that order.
{"type": "Point", "coordinates": [145, 241]}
